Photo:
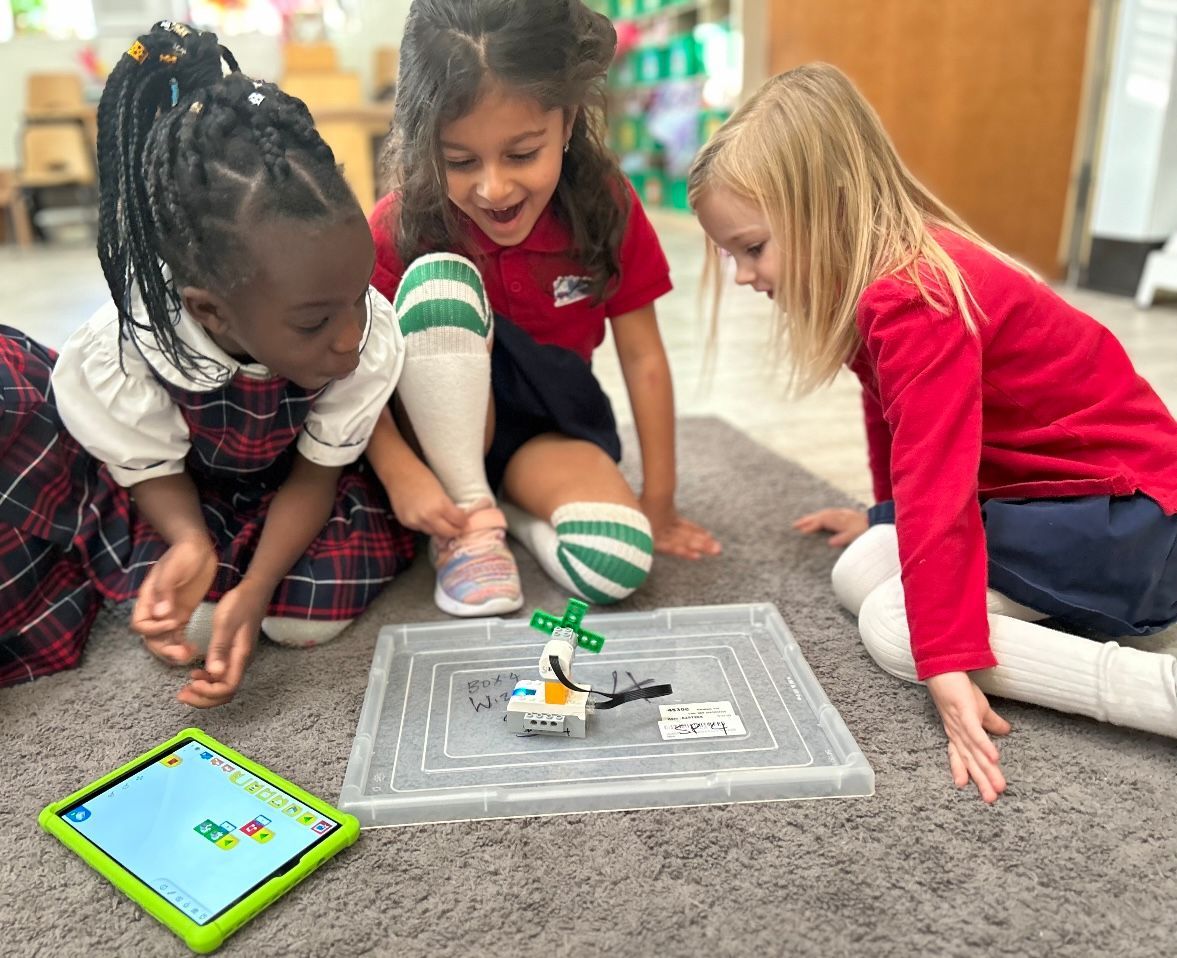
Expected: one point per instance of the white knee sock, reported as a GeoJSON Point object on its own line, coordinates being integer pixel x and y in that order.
{"type": "Point", "coordinates": [447, 323]}
{"type": "Point", "coordinates": [599, 551]}
{"type": "Point", "coordinates": [868, 562]}
{"type": "Point", "coordinates": [301, 633]}
{"type": "Point", "coordinates": [1102, 680]}
{"type": "Point", "coordinates": [873, 558]}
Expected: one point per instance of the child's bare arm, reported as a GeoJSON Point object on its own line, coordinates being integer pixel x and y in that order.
{"type": "Point", "coordinates": [181, 578]}
{"type": "Point", "coordinates": [297, 514]}
{"type": "Point", "coordinates": [651, 394]}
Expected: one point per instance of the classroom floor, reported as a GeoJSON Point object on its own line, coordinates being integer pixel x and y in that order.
{"type": "Point", "coordinates": [52, 289]}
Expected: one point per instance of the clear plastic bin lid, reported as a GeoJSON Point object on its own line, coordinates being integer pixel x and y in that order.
{"type": "Point", "coordinates": [433, 742]}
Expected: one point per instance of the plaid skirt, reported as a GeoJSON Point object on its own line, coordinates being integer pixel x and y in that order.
{"type": "Point", "coordinates": [70, 536]}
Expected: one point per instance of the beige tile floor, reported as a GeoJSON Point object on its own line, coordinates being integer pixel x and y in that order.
{"type": "Point", "coordinates": [51, 289]}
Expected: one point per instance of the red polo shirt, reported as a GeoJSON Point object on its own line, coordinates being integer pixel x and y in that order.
{"type": "Point", "coordinates": [537, 284]}
{"type": "Point", "coordinates": [1044, 403]}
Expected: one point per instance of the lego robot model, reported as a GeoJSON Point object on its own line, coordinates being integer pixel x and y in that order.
{"type": "Point", "coordinates": [554, 705]}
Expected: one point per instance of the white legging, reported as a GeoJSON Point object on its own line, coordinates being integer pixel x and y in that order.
{"type": "Point", "coordinates": [1103, 680]}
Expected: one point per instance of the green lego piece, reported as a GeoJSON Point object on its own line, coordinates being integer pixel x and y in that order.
{"type": "Point", "coordinates": [573, 615]}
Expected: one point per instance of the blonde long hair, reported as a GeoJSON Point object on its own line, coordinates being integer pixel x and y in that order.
{"type": "Point", "coordinates": [812, 154]}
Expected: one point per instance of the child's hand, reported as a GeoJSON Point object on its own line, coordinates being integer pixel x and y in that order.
{"type": "Point", "coordinates": [676, 536]}
{"type": "Point", "coordinates": [419, 502]}
{"type": "Point", "coordinates": [236, 624]}
{"type": "Point", "coordinates": [845, 524]}
{"type": "Point", "coordinates": [967, 717]}
{"type": "Point", "coordinates": [174, 586]}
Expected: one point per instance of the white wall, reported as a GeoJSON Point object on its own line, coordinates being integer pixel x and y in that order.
{"type": "Point", "coordinates": [1136, 180]}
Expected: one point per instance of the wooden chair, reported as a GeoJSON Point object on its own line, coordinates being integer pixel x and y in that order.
{"type": "Point", "coordinates": [309, 58]}
{"type": "Point", "coordinates": [385, 64]}
{"type": "Point", "coordinates": [53, 95]}
{"type": "Point", "coordinates": [325, 89]}
{"type": "Point", "coordinates": [352, 145]}
{"type": "Point", "coordinates": [56, 154]}
{"type": "Point", "coordinates": [12, 205]}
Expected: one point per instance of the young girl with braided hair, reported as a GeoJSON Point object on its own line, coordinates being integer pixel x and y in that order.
{"type": "Point", "coordinates": [217, 407]}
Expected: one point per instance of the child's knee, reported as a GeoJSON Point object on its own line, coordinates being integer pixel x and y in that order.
{"type": "Point", "coordinates": [606, 549]}
{"type": "Point", "coordinates": [442, 291]}
{"type": "Point", "coordinates": [882, 623]}
{"type": "Point", "coordinates": [868, 562]}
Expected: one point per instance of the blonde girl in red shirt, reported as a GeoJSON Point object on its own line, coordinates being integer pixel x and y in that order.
{"type": "Point", "coordinates": [1022, 470]}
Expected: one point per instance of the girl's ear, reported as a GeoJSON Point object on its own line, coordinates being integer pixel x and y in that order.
{"type": "Point", "coordinates": [207, 308]}
{"type": "Point", "coordinates": [569, 120]}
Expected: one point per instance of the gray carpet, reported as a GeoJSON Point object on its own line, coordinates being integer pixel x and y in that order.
{"type": "Point", "coordinates": [1078, 859]}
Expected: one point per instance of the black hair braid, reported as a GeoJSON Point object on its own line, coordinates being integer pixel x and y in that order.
{"type": "Point", "coordinates": [186, 155]}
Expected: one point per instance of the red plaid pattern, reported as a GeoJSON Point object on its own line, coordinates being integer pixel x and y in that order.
{"type": "Point", "coordinates": [69, 535]}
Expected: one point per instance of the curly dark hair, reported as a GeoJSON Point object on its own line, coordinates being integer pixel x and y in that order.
{"type": "Point", "coordinates": [186, 155]}
{"type": "Point", "coordinates": [554, 51]}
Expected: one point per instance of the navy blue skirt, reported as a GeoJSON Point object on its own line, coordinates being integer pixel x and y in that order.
{"type": "Point", "coordinates": [1099, 565]}
{"type": "Point", "coordinates": [540, 389]}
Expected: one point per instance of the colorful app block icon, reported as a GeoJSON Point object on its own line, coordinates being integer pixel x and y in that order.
{"type": "Point", "coordinates": [308, 818]}
{"type": "Point", "coordinates": [250, 827]}
{"type": "Point", "coordinates": [262, 820]}
{"type": "Point", "coordinates": [206, 755]}
{"type": "Point", "coordinates": [279, 801]}
{"type": "Point", "coordinates": [292, 810]}
{"type": "Point", "coordinates": [229, 841]}
{"type": "Point", "coordinates": [266, 794]}
{"type": "Point", "coordinates": [205, 827]}
{"type": "Point", "coordinates": [217, 761]}
{"type": "Point", "coordinates": [323, 827]}
{"type": "Point", "coordinates": [78, 815]}
{"type": "Point", "coordinates": [170, 761]}
{"type": "Point", "coordinates": [228, 826]}
{"type": "Point", "coordinates": [252, 787]}
{"type": "Point", "coordinates": [262, 835]}
{"type": "Point", "coordinates": [227, 767]}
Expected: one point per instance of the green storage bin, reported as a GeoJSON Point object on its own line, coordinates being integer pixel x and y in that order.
{"type": "Point", "coordinates": [676, 194]}
{"type": "Point", "coordinates": [650, 186]}
{"type": "Point", "coordinates": [650, 64]}
{"type": "Point", "coordinates": [684, 58]}
{"type": "Point", "coordinates": [709, 123]}
{"type": "Point", "coordinates": [630, 135]}
{"type": "Point", "coordinates": [624, 73]}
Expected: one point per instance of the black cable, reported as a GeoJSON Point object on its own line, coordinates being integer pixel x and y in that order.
{"type": "Point", "coordinates": [611, 700]}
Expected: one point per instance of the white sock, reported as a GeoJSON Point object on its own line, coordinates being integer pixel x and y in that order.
{"type": "Point", "coordinates": [448, 324]}
{"type": "Point", "coordinates": [1103, 680]}
{"type": "Point", "coordinates": [301, 633]}
{"type": "Point", "coordinates": [599, 551]}
{"type": "Point", "coordinates": [873, 558]}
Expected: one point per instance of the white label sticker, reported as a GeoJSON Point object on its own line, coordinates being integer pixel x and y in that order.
{"type": "Point", "coordinates": [678, 729]}
{"type": "Point", "coordinates": [697, 710]}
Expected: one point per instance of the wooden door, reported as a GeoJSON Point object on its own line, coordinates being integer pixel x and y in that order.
{"type": "Point", "coordinates": [981, 97]}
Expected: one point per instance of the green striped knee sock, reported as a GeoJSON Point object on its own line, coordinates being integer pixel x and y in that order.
{"type": "Point", "coordinates": [446, 319]}
{"type": "Point", "coordinates": [599, 551]}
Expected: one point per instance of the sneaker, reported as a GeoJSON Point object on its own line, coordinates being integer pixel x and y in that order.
{"type": "Point", "coordinates": [476, 573]}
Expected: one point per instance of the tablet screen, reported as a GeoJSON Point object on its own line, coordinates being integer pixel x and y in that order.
{"type": "Point", "coordinates": [196, 828]}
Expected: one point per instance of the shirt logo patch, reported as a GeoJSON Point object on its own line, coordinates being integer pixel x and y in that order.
{"type": "Point", "coordinates": [570, 289]}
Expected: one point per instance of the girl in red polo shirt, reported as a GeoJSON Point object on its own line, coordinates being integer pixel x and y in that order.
{"type": "Point", "coordinates": [1011, 442]}
{"type": "Point", "coordinates": [510, 224]}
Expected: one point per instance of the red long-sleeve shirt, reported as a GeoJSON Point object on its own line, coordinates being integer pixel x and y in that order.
{"type": "Point", "coordinates": [1043, 403]}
